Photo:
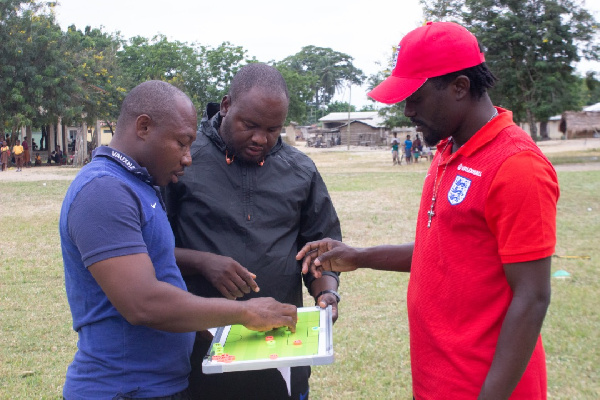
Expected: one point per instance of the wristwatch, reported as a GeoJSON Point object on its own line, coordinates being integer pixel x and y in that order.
{"type": "Point", "coordinates": [333, 292]}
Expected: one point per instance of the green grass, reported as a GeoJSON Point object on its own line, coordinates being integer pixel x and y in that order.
{"type": "Point", "coordinates": [377, 204]}
{"type": "Point", "coordinates": [588, 156]}
{"type": "Point", "coordinates": [37, 341]}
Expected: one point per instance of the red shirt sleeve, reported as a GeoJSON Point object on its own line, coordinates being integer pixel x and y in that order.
{"type": "Point", "coordinates": [521, 208]}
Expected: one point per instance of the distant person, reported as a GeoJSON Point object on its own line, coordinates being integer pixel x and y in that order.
{"type": "Point", "coordinates": [38, 159]}
{"type": "Point", "coordinates": [427, 153]}
{"type": "Point", "coordinates": [18, 151]}
{"type": "Point", "coordinates": [417, 148]}
{"type": "Point", "coordinates": [26, 153]}
{"type": "Point", "coordinates": [479, 267]}
{"type": "Point", "coordinates": [408, 149]}
{"type": "Point", "coordinates": [4, 155]}
{"type": "Point", "coordinates": [56, 156]}
{"type": "Point", "coordinates": [135, 320]}
{"type": "Point", "coordinates": [251, 200]}
{"type": "Point", "coordinates": [395, 143]}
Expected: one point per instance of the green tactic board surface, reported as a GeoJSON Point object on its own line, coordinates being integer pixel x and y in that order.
{"type": "Point", "coordinates": [236, 348]}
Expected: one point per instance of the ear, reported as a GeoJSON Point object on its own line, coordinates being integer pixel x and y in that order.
{"type": "Point", "coordinates": [461, 86]}
{"type": "Point", "coordinates": [225, 104]}
{"type": "Point", "coordinates": [142, 126]}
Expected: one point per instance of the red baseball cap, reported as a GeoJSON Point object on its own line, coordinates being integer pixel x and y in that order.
{"type": "Point", "coordinates": [434, 49]}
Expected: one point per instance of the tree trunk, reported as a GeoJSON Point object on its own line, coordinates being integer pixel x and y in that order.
{"type": "Point", "coordinates": [13, 137]}
{"type": "Point", "coordinates": [64, 141]}
{"type": "Point", "coordinates": [544, 130]}
{"type": "Point", "coordinates": [44, 138]}
{"type": "Point", "coordinates": [84, 132]}
{"type": "Point", "coordinates": [29, 142]}
{"type": "Point", "coordinates": [95, 136]}
{"type": "Point", "coordinates": [532, 125]}
{"type": "Point", "coordinates": [80, 146]}
{"type": "Point", "coordinates": [110, 126]}
{"type": "Point", "coordinates": [50, 140]}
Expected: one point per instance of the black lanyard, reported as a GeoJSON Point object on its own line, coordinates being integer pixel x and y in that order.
{"type": "Point", "coordinates": [130, 166]}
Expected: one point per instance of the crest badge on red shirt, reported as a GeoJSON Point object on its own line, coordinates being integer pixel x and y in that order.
{"type": "Point", "coordinates": [459, 189]}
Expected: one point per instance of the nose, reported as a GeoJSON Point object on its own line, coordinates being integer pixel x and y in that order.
{"type": "Point", "coordinates": [409, 110]}
{"type": "Point", "coordinates": [186, 160]}
{"type": "Point", "coordinates": [260, 137]}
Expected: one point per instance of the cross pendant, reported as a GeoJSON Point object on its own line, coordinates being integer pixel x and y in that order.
{"type": "Point", "coordinates": [430, 213]}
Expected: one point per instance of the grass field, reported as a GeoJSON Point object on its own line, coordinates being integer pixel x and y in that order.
{"type": "Point", "coordinates": [377, 204]}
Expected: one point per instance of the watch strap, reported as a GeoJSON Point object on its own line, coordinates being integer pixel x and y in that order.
{"type": "Point", "coordinates": [333, 292]}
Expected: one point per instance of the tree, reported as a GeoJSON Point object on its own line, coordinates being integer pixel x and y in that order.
{"type": "Point", "coordinates": [300, 91]}
{"type": "Point", "coordinates": [392, 114]}
{"type": "Point", "coordinates": [202, 72]}
{"type": "Point", "coordinates": [532, 46]}
{"type": "Point", "coordinates": [217, 67]}
{"type": "Point", "coordinates": [143, 59]}
{"type": "Point", "coordinates": [36, 76]}
{"type": "Point", "coordinates": [102, 85]}
{"type": "Point", "coordinates": [592, 88]}
{"type": "Point", "coordinates": [367, 107]}
{"type": "Point", "coordinates": [330, 71]}
{"type": "Point", "coordinates": [339, 106]}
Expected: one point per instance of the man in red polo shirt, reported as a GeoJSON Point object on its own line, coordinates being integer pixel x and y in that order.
{"type": "Point", "coordinates": [480, 265]}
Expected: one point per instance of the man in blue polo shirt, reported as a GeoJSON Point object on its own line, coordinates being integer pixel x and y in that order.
{"type": "Point", "coordinates": [130, 307]}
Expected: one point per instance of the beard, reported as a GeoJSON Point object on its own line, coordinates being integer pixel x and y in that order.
{"type": "Point", "coordinates": [236, 149]}
{"type": "Point", "coordinates": [431, 137]}
{"type": "Point", "coordinates": [430, 141]}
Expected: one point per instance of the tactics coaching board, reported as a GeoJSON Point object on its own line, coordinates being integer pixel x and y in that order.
{"type": "Point", "coordinates": [235, 348]}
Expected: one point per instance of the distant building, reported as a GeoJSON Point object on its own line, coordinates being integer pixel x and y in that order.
{"type": "Point", "coordinates": [582, 124]}
{"type": "Point", "coordinates": [572, 124]}
{"type": "Point", "coordinates": [366, 128]}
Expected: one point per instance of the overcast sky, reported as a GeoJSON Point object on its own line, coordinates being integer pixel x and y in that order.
{"type": "Point", "coordinates": [267, 29]}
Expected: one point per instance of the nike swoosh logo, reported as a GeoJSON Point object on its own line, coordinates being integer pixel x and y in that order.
{"type": "Point", "coordinates": [153, 205]}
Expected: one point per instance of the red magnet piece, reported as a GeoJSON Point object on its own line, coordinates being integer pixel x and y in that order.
{"type": "Point", "coordinates": [269, 338]}
{"type": "Point", "coordinates": [297, 342]}
{"type": "Point", "coordinates": [273, 356]}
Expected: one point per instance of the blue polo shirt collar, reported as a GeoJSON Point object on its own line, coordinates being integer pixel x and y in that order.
{"type": "Point", "coordinates": [126, 162]}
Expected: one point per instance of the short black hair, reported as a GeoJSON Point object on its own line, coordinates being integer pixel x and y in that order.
{"type": "Point", "coordinates": [257, 74]}
{"type": "Point", "coordinates": [480, 76]}
{"type": "Point", "coordinates": [154, 98]}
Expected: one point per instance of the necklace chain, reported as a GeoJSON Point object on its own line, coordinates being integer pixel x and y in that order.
{"type": "Point", "coordinates": [494, 115]}
{"type": "Point", "coordinates": [436, 185]}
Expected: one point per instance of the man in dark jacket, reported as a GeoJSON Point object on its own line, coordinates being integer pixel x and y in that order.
{"type": "Point", "coordinates": [253, 202]}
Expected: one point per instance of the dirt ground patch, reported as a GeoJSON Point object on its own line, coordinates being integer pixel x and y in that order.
{"type": "Point", "coordinates": [50, 173]}
{"type": "Point", "coordinates": [43, 173]}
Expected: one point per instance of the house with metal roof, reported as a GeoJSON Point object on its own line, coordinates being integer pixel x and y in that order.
{"type": "Point", "coordinates": [360, 128]}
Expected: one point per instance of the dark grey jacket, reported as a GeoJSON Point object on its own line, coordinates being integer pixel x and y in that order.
{"type": "Point", "coordinates": [259, 216]}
